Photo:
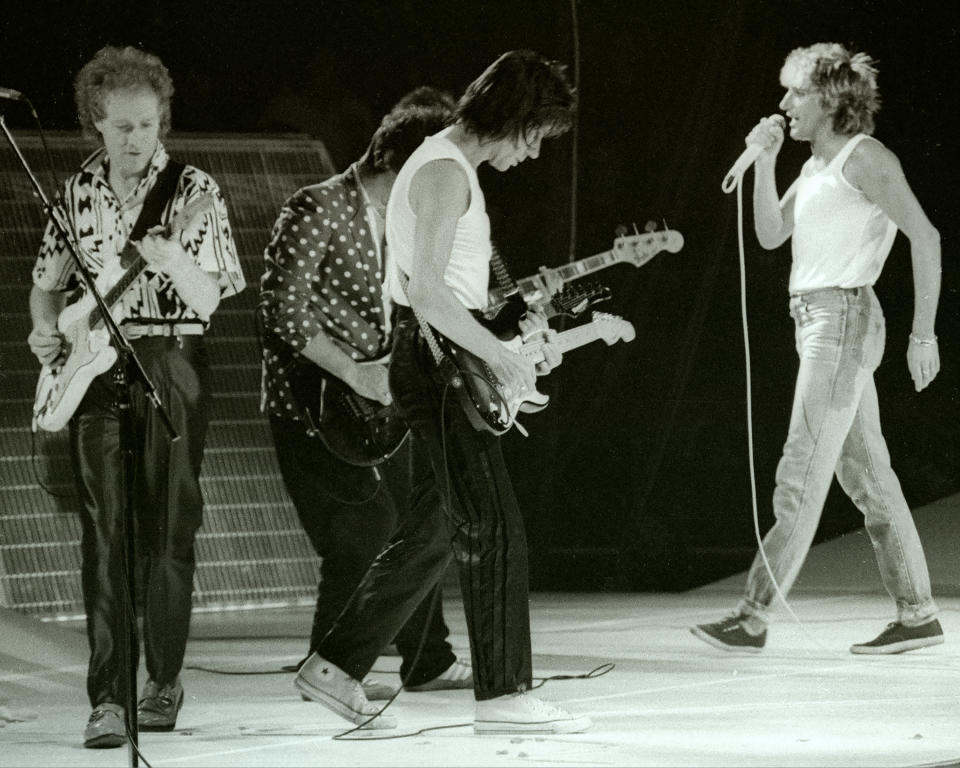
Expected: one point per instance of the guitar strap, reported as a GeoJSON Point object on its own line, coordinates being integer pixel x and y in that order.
{"type": "Point", "coordinates": [155, 201]}
{"type": "Point", "coordinates": [445, 365]}
{"type": "Point", "coordinates": [507, 284]}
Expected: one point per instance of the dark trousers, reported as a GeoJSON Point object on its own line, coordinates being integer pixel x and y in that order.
{"type": "Point", "coordinates": [168, 510]}
{"type": "Point", "coordinates": [349, 514]}
{"type": "Point", "coordinates": [462, 505]}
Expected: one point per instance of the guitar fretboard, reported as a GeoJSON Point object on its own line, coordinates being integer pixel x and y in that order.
{"type": "Point", "coordinates": [566, 340]}
{"type": "Point", "coordinates": [113, 295]}
{"type": "Point", "coordinates": [529, 285]}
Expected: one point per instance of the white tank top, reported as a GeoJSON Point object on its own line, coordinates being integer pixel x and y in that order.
{"type": "Point", "coordinates": [840, 238]}
{"type": "Point", "coordinates": [468, 271]}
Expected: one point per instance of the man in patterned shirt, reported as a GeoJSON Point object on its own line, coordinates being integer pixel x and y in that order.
{"type": "Point", "coordinates": [323, 304]}
{"type": "Point", "coordinates": [123, 99]}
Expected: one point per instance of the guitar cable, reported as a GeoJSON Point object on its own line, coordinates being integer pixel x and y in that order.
{"type": "Point", "coordinates": [346, 735]}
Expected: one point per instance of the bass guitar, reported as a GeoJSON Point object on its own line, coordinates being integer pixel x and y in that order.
{"type": "Point", "coordinates": [355, 429]}
{"type": "Point", "coordinates": [86, 340]}
{"type": "Point", "coordinates": [488, 404]}
{"type": "Point", "coordinates": [631, 249]}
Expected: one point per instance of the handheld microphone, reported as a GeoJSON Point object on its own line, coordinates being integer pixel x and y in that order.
{"type": "Point", "coordinates": [747, 158]}
{"type": "Point", "coordinates": [9, 93]}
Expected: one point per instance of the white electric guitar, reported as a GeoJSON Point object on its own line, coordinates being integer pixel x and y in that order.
{"type": "Point", "coordinates": [86, 344]}
{"type": "Point", "coordinates": [491, 407]}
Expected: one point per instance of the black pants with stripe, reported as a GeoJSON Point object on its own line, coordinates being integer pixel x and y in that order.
{"type": "Point", "coordinates": [168, 511]}
{"type": "Point", "coordinates": [349, 513]}
{"type": "Point", "coordinates": [462, 505]}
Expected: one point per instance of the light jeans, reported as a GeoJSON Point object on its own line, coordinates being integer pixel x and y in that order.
{"type": "Point", "coordinates": [835, 427]}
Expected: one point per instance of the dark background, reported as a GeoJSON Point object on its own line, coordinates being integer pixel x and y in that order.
{"type": "Point", "coordinates": [637, 475]}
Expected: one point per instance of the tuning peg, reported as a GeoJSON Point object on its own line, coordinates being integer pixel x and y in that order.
{"type": "Point", "coordinates": [620, 231]}
{"type": "Point", "coordinates": [650, 226]}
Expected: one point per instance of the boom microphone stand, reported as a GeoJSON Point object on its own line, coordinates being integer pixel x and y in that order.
{"type": "Point", "coordinates": [128, 369]}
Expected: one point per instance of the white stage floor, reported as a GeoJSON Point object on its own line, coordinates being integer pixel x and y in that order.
{"type": "Point", "coordinates": [670, 700]}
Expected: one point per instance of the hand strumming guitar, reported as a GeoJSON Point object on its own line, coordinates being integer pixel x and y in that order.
{"type": "Point", "coordinates": [516, 373]}
{"type": "Point", "coordinates": [46, 342]}
{"type": "Point", "coordinates": [165, 255]}
{"type": "Point", "coordinates": [370, 381]}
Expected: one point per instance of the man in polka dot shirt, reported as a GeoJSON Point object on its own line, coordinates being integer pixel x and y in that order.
{"type": "Point", "coordinates": [322, 303]}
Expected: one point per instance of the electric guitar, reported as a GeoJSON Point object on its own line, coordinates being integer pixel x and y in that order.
{"type": "Point", "coordinates": [570, 302]}
{"type": "Point", "coordinates": [487, 403]}
{"type": "Point", "coordinates": [86, 344]}
{"type": "Point", "coordinates": [355, 429]}
{"type": "Point", "coordinates": [634, 249]}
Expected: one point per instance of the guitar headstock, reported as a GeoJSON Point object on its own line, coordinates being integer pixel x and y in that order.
{"type": "Point", "coordinates": [193, 210]}
{"type": "Point", "coordinates": [576, 298]}
{"type": "Point", "coordinates": [639, 249]}
{"type": "Point", "coordinates": [612, 329]}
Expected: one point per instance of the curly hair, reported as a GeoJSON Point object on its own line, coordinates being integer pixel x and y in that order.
{"type": "Point", "coordinates": [846, 83]}
{"type": "Point", "coordinates": [419, 114]}
{"type": "Point", "coordinates": [114, 69]}
{"type": "Point", "coordinates": [520, 93]}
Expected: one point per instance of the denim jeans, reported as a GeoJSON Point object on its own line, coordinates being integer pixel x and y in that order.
{"type": "Point", "coordinates": [835, 428]}
{"type": "Point", "coordinates": [462, 505]}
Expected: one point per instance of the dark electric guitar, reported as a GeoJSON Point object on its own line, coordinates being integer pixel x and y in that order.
{"type": "Point", "coordinates": [570, 302]}
{"type": "Point", "coordinates": [353, 428]}
{"type": "Point", "coordinates": [487, 403]}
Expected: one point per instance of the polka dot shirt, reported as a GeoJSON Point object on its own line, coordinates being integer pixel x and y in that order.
{"type": "Point", "coordinates": [322, 275]}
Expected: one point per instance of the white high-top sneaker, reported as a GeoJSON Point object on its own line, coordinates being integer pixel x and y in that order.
{"type": "Point", "coordinates": [327, 684]}
{"type": "Point", "coordinates": [522, 713]}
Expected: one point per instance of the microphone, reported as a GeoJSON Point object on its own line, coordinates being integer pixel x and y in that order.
{"type": "Point", "coordinates": [9, 93]}
{"type": "Point", "coordinates": [747, 158]}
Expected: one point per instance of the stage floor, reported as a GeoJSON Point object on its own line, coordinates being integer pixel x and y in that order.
{"type": "Point", "coordinates": [669, 700]}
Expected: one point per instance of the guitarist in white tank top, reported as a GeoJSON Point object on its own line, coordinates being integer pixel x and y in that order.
{"type": "Point", "coordinates": [842, 213]}
{"type": "Point", "coordinates": [438, 235]}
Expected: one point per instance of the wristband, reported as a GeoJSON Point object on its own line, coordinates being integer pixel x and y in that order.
{"type": "Point", "coordinates": [923, 342]}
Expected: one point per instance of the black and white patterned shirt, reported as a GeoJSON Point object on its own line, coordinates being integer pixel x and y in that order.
{"type": "Point", "coordinates": [101, 224]}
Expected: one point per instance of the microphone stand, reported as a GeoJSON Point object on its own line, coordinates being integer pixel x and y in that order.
{"type": "Point", "coordinates": [127, 370]}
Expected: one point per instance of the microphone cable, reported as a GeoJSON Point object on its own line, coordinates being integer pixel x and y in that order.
{"type": "Point", "coordinates": [749, 404]}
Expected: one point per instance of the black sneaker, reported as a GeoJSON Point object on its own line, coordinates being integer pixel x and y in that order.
{"type": "Point", "coordinates": [897, 638]}
{"type": "Point", "coordinates": [729, 635]}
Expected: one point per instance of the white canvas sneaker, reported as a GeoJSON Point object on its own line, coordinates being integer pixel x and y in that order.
{"type": "Point", "coordinates": [522, 713]}
{"type": "Point", "coordinates": [327, 684]}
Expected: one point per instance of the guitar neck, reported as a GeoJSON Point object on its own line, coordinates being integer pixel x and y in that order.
{"type": "Point", "coordinates": [566, 340]}
{"type": "Point", "coordinates": [111, 297]}
{"type": "Point", "coordinates": [529, 286]}
{"type": "Point", "coordinates": [573, 270]}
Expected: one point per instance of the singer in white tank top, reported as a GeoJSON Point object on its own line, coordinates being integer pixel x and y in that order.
{"type": "Point", "coordinates": [843, 213]}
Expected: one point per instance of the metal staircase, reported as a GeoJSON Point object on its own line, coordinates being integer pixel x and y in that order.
{"type": "Point", "coordinates": [251, 550]}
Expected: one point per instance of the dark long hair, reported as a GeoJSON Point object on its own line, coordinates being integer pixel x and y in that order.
{"type": "Point", "coordinates": [519, 93]}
